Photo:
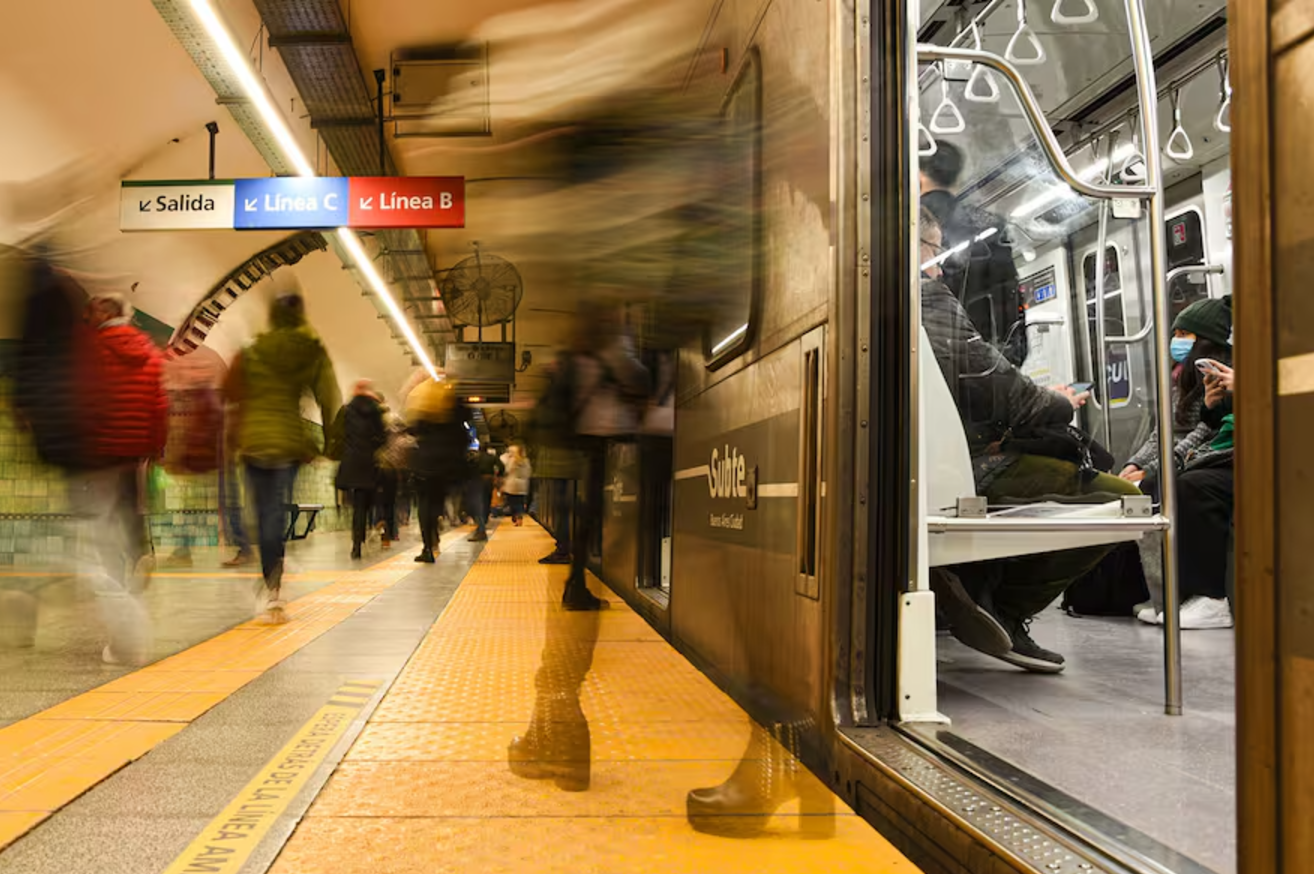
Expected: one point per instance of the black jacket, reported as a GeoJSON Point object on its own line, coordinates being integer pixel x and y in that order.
{"type": "Point", "coordinates": [992, 395]}
{"type": "Point", "coordinates": [983, 276]}
{"type": "Point", "coordinates": [440, 447]}
{"type": "Point", "coordinates": [363, 433]}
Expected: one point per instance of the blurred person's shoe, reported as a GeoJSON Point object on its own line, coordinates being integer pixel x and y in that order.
{"type": "Point", "coordinates": [425, 556]}
{"type": "Point", "coordinates": [555, 558]}
{"type": "Point", "coordinates": [243, 557]}
{"type": "Point", "coordinates": [355, 552]}
{"type": "Point", "coordinates": [108, 657]}
{"type": "Point", "coordinates": [582, 599]}
{"type": "Point", "coordinates": [478, 537]}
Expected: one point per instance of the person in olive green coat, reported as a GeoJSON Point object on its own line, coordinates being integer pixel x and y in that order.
{"type": "Point", "coordinates": [266, 383]}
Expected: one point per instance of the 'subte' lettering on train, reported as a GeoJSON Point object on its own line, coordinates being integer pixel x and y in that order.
{"type": "Point", "coordinates": [727, 473]}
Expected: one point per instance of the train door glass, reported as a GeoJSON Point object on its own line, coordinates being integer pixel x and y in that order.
{"type": "Point", "coordinates": [1118, 383]}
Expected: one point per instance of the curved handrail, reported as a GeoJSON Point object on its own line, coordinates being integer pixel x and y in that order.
{"type": "Point", "coordinates": [1058, 160]}
{"type": "Point", "coordinates": [1187, 270]}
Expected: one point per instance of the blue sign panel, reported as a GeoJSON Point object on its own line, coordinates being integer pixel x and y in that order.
{"type": "Point", "coordinates": [291, 203]}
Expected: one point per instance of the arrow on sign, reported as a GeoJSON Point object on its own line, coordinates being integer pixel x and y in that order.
{"type": "Point", "coordinates": [367, 203]}
{"type": "Point", "coordinates": [143, 206]}
{"type": "Point", "coordinates": [249, 203]}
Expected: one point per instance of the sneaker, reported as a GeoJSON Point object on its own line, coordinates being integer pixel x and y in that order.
{"type": "Point", "coordinates": [555, 558]}
{"type": "Point", "coordinates": [1141, 607]}
{"type": "Point", "coordinates": [108, 657]}
{"type": "Point", "coordinates": [1201, 613]}
{"type": "Point", "coordinates": [1029, 655]}
{"type": "Point", "coordinates": [243, 557]}
{"type": "Point", "coordinates": [478, 537]}
{"type": "Point", "coordinates": [425, 557]}
{"type": "Point", "coordinates": [1149, 615]}
{"type": "Point", "coordinates": [969, 622]}
{"type": "Point", "coordinates": [277, 612]}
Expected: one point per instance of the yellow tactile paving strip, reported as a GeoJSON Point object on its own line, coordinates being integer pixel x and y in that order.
{"type": "Point", "coordinates": [51, 758]}
{"type": "Point", "coordinates": [426, 787]}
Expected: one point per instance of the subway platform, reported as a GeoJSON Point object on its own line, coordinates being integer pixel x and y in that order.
{"type": "Point", "coordinates": [410, 718]}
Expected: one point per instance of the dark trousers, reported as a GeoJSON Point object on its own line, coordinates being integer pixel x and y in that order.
{"type": "Point", "coordinates": [561, 495]}
{"type": "Point", "coordinates": [588, 513]}
{"type": "Point", "coordinates": [271, 492]}
{"type": "Point", "coordinates": [516, 504]}
{"type": "Point", "coordinates": [478, 497]}
{"type": "Point", "coordinates": [362, 501]}
{"type": "Point", "coordinates": [386, 507]}
{"type": "Point", "coordinates": [431, 492]}
{"type": "Point", "coordinates": [234, 524]}
{"type": "Point", "coordinates": [1204, 524]}
{"type": "Point", "coordinates": [1022, 586]}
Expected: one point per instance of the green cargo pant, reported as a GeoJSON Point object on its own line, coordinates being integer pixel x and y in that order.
{"type": "Point", "coordinates": [1022, 586]}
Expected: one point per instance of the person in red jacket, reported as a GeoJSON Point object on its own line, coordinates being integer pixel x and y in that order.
{"type": "Point", "coordinates": [126, 421]}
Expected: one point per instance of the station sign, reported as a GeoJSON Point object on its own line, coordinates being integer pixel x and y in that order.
{"type": "Point", "coordinates": [293, 203]}
{"type": "Point", "coordinates": [176, 206]}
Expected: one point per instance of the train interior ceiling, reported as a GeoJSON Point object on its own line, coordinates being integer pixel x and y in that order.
{"type": "Point", "coordinates": [747, 595]}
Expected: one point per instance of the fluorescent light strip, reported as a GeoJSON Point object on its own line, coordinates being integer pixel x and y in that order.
{"type": "Point", "coordinates": [734, 335]}
{"type": "Point", "coordinates": [274, 121]}
{"type": "Point", "coordinates": [949, 253]}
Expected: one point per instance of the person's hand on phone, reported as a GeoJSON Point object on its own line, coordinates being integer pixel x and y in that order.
{"type": "Point", "coordinates": [1218, 384]}
{"type": "Point", "coordinates": [1132, 474]}
{"type": "Point", "coordinates": [1077, 399]}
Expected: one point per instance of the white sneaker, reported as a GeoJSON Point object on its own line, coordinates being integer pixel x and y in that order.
{"type": "Point", "coordinates": [1141, 607]}
{"type": "Point", "coordinates": [1201, 612]}
{"type": "Point", "coordinates": [108, 657]}
{"type": "Point", "coordinates": [277, 612]}
{"type": "Point", "coordinates": [1149, 615]}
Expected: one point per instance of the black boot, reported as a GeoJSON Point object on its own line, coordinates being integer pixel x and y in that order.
{"type": "Point", "coordinates": [355, 552]}
{"type": "Point", "coordinates": [425, 556]}
{"type": "Point", "coordinates": [578, 597]}
{"type": "Point", "coordinates": [768, 776]}
{"type": "Point", "coordinates": [557, 745]}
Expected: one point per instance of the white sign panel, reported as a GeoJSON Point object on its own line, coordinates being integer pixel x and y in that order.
{"type": "Point", "coordinates": [176, 206]}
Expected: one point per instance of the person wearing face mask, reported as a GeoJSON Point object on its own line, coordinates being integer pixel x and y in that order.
{"type": "Point", "coordinates": [1201, 331]}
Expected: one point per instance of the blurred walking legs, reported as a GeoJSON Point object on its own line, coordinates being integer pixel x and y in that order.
{"type": "Point", "coordinates": [271, 492]}
{"type": "Point", "coordinates": [111, 499]}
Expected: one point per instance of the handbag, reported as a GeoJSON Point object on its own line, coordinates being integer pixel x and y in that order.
{"type": "Point", "coordinates": [1063, 442]}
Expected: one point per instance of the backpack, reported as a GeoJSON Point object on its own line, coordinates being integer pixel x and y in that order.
{"type": "Point", "coordinates": [1112, 588]}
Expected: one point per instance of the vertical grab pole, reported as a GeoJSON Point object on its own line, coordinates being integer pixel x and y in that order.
{"type": "Point", "coordinates": [213, 128]}
{"type": "Point", "coordinates": [1101, 376]}
{"type": "Point", "coordinates": [1147, 94]}
{"type": "Point", "coordinates": [379, 76]}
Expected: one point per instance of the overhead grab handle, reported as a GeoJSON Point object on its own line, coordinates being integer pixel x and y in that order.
{"type": "Point", "coordinates": [926, 144]}
{"type": "Point", "coordinates": [1179, 146]}
{"type": "Point", "coordinates": [980, 73]}
{"type": "Point", "coordinates": [1133, 166]}
{"type": "Point", "coordinates": [1024, 33]}
{"type": "Point", "coordinates": [1058, 16]}
{"type": "Point", "coordinates": [1223, 120]}
{"type": "Point", "coordinates": [955, 123]}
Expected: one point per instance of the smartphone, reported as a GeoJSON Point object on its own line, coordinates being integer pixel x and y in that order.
{"type": "Point", "coordinates": [1208, 365]}
{"type": "Point", "coordinates": [1081, 387]}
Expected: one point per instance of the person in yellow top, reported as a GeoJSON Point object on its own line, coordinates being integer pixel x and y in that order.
{"type": "Point", "coordinates": [436, 417]}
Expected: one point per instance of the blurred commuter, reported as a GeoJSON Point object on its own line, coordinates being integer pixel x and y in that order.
{"type": "Point", "coordinates": [1023, 449]}
{"type": "Point", "coordinates": [230, 494]}
{"type": "Point", "coordinates": [515, 485]}
{"type": "Point", "coordinates": [436, 418]}
{"type": "Point", "coordinates": [363, 435]}
{"type": "Point", "coordinates": [393, 459]}
{"type": "Point", "coordinates": [267, 381]}
{"type": "Point", "coordinates": [557, 461]}
{"type": "Point", "coordinates": [485, 471]}
{"type": "Point", "coordinates": [982, 274]}
{"type": "Point", "coordinates": [127, 422]}
{"type": "Point", "coordinates": [610, 391]}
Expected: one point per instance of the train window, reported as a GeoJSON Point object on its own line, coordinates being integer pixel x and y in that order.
{"type": "Point", "coordinates": [1118, 387]}
{"type": "Point", "coordinates": [736, 219]}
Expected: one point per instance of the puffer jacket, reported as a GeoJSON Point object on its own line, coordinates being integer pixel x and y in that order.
{"type": "Point", "coordinates": [126, 398]}
{"type": "Point", "coordinates": [267, 381]}
{"type": "Point", "coordinates": [518, 474]}
{"type": "Point", "coordinates": [982, 276]}
{"type": "Point", "coordinates": [992, 396]}
{"type": "Point", "coordinates": [363, 435]}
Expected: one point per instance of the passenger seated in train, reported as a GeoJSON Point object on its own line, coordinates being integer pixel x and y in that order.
{"type": "Point", "coordinates": [982, 274]}
{"type": "Point", "coordinates": [1201, 333]}
{"type": "Point", "coordinates": [1018, 433]}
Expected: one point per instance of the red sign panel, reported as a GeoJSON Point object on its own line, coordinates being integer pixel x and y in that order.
{"type": "Point", "coordinates": [1179, 234]}
{"type": "Point", "coordinates": [407, 202]}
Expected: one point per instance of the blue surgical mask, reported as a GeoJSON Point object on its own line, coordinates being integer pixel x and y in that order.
{"type": "Point", "coordinates": [1181, 347]}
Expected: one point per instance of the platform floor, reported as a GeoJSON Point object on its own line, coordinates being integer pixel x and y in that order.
{"type": "Point", "coordinates": [375, 732]}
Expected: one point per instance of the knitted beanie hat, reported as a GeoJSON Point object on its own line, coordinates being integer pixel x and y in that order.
{"type": "Point", "coordinates": [1210, 318]}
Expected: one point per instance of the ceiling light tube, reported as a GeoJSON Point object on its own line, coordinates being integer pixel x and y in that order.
{"type": "Point", "coordinates": [277, 126]}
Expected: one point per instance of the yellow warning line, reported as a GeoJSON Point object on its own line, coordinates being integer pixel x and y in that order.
{"type": "Point", "coordinates": [49, 759]}
{"type": "Point", "coordinates": [232, 836]}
